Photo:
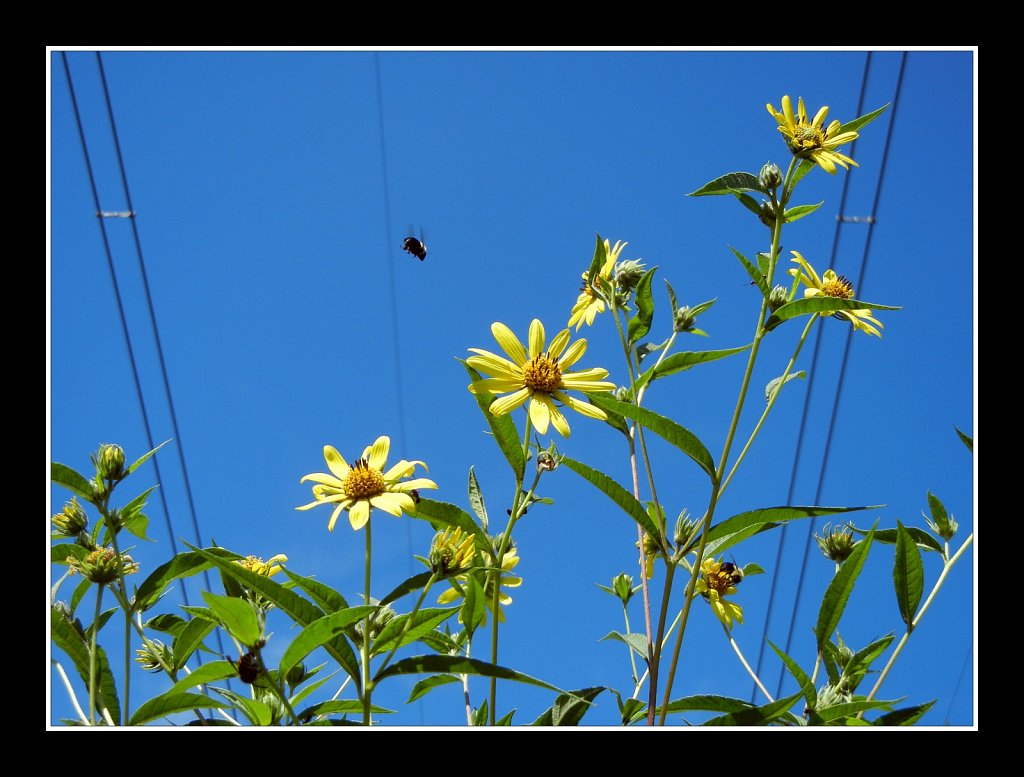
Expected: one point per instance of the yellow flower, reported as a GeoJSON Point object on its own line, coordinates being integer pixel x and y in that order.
{"type": "Point", "coordinates": [538, 375]}
{"type": "Point", "coordinates": [365, 484]}
{"type": "Point", "coordinates": [508, 562]}
{"type": "Point", "coordinates": [451, 552]}
{"type": "Point", "coordinates": [832, 285]}
{"type": "Point", "coordinates": [808, 139]}
{"type": "Point", "coordinates": [261, 567]}
{"type": "Point", "coordinates": [717, 580]}
{"type": "Point", "coordinates": [590, 302]}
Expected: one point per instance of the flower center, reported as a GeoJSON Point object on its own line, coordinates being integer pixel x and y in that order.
{"type": "Point", "coordinates": [541, 373]}
{"type": "Point", "coordinates": [839, 287]}
{"type": "Point", "coordinates": [363, 481]}
{"type": "Point", "coordinates": [719, 579]}
{"type": "Point", "coordinates": [807, 137]}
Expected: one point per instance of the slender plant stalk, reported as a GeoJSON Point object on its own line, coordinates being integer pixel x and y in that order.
{"type": "Point", "coordinates": [632, 658]}
{"type": "Point", "coordinates": [92, 655]}
{"type": "Point", "coordinates": [408, 622]}
{"type": "Point", "coordinates": [739, 654]}
{"type": "Point", "coordinates": [71, 693]}
{"type": "Point", "coordinates": [126, 606]}
{"type": "Point", "coordinates": [365, 648]}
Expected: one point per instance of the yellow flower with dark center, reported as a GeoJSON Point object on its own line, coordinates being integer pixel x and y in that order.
{"type": "Point", "coordinates": [809, 139]}
{"type": "Point", "coordinates": [832, 285]}
{"type": "Point", "coordinates": [365, 484]}
{"type": "Point", "coordinates": [590, 303]}
{"type": "Point", "coordinates": [260, 567]}
{"type": "Point", "coordinates": [718, 579]}
{"type": "Point", "coordinates": [538, 375]}
{"type": "Point", "coordinates": [451, 552]}
{"type": "Point", "coordinates": [508, 562]}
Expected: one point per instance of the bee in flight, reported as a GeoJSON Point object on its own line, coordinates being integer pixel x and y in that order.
{"type": "Point", "coordinates": [415, 247]}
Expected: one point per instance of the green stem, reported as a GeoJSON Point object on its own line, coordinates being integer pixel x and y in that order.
{"type": "Point", "coordinates": [408, 622]}
{"type": "Point", "coordinates": [632, 658]}
{"type": "Point", "coordinates": [743, 661]}
{"type": "Point", "coordinates": [365, 647]}
{"type": "Point", "coordinates": [71, 693]}
{"type": "Point", "coordinates": [917, 619]}
{"type": "Point", "coordinates": [646, 674]}
{"type": "Point", "coordinates": [771, 402]}
{"type": "Point", "coordinates": [125, 605]}
{"type": "Point", "coordinates": [92, 656]}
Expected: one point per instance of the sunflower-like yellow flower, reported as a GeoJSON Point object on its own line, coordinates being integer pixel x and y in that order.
{"type": "Point", "coordinates": [538, 375]}
{"type": "Point", "coordinates": [590, 302]}
{"type": "Point", "coordinates": [508, 562]}
{"type": "Point", "coordinates": [808, 139]}
{"type": "Point", "coordinates": [365, 484]}
{"type": "Point", "coordinates": [267, 568]}
{"type": "Point", "coordinates": [451, 552]}
{"type": "Point", "coordinates": [832, 285]}
{"type": "Point", "coordinates": [717, 580]}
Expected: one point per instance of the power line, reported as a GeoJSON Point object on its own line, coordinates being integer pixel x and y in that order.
{"type": "Point", "coordinates": [846, 349]}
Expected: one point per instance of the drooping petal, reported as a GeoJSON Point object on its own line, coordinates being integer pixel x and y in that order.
{"type": "Point", "coordinates": [393, 503]}
{"type": "Point", "coordinates": [359, 514]}
{"type": "Point", "coordinates": [510, 402]}
{"type": "Point", "coordinates": [334, 517]}
{"type": "Point", "coordinates": [336, 462]}
{"type": "Point", "coordinates": [509, 343]}
{"type": "Point", "coordinates": [559, 422]}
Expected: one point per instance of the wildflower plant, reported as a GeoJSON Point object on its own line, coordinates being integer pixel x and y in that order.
{"type": "Point", "coordinates": [686, 570]}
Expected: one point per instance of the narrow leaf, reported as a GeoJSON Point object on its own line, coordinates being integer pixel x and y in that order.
{"type": "Point", "coordinates": [924, 540]}
{"type": "Point", "coordinates": [755, 273]}
{"type": "Point", "coordinates": [776, 383]}
{"type": "Point", "coordinates": [805, 306]}
{"type": "Point", "coordinates": [188, 639]}
{"type": "Point", "coordinates": [616, 493]}
{"type": "Point", "coordinates": [729, 184]}
{"type": "Point", "coordinates": [237, 616]}
{"type": "Point", "coordinates": [798, 212]}
{"type": "Point", "coordinates": [137, 525]}
{"type": "Point", "coordinates": [839, 711]}
{"type": "Point", "coordinates": [427, 684]}
{"type": "Point", "coordinates": [673, 301]}
{"type": "Point", "coordinates": [502, 426]}
{"type": "Point", "coordinates": [640, 324]}
{"type": "Point", "coordinates": [182, 565]}
{"type": "Point", "coordinates": [145, 457]}
{"type": "Point", "coordinates": [678, 362]}
{"type": "Point", "coordinates": [907, 716]}
{"type": "Point", "coordinates": [207, 673]}
{"type": "Point", "coordinates": [257, 712]}
{"type": "Point", "coordinates": [968, 441]}
{"type": "Point", "coordinates": [859, 664]}
{"type": "Point", "coordinates": [62, 552]}
{"type": "Point", "coordinates": [474, 604]}
{"type": "Point", "coordinates": [749, 203]}
{"type": "Point", "coordinates": [856, 124]}
{"type": "Point", "coordinates": [326, 598]}
{"type": "Point", "coordinates": [459, 665]}
{"type": "Point", "coordinates": [673, 433]}
{"type": "Point", "coordinates": [167, 623]}
{"type": "Point", "coordinates": [343, 706]}
{"type": "Point", "coordinates": [839, 590]}
{"type": "Point", "coordinates": [937, 509]}
{"type": "Point", "coordinates": [907, 575]}
{"type": "Point", "coordinates": [414, 583]}
{"type": "Point", "coordinates": [802, 169]}
{"type": "Point", "coordinates": [569, 708]}
{"type": "Point", "coordinates": [506, 719]}
{"type": "Point", "coordinates": [63, 475]}
{"type": "Point", "coordinates": [476, 499]}
{"type": "Point", "coordinates": [801, 677]}
{"type": "Point", "coordinates": [480, 715]}
{"type": "Point", "coordinates": [739, 527]}
{"type": "Point", "coordinates": [171, 703]}
{"type": "Point", "coordinates": [319, 632]}
{"type": "Point", "coordinates": [708, 703]}
{"type": "Point", "coordinates": [419, 623]}
{"type": "Point", "coordinates": [756, 716]}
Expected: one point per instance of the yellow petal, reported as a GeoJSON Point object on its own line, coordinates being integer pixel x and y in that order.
{"type": "Point", "coordinates": [358, 515]}
{"type": "Point", "coordinates": [336, 462]}
{"type": "Point", "coordinates": [394, 503]}
{"type": "Point", "coordinates": [576, 350]}
{"type": "Point", "coordinates": [378, 452]}
{"type": "Point", "coordinates": [509, 343]}
{"type": "Point", "coordinates": [540, 412]}
{"type": "Point", "coordinates": [537, 338]}
{"type": "Point", "coordinates": [558, 344]}
{"type": "Point", "coordinates": [508, 403]}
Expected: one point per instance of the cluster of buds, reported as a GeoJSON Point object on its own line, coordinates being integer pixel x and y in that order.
{"type": "Point", "coordinates": [941, 522]}
{"type": "Point", "coordinates": [379, 618]}
{"type": "Point", "coordinates": [686, 532]}
{"type": "Point", "coordinates": [103, 565]}
{"type": "Point", "coordinates": [778, 297]}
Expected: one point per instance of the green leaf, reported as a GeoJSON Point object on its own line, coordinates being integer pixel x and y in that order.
{"type": "Point", "coordinates": [673, 301]}
{"type": "Point", "coordinates": [414, 583]}
{"type": "Point", "coordinates": [100, 622]}
{"type": "Point", "coordinates": [569, 708]}
{"type": "Point", "coordinates": [924, 540]}
{"type": "Point", "coordinates": [856, 124]}
{"type": "Point", "coordinates": [80, 591]}
{"type": "Point", "coordinates": [441, 515]}
{"type": "Point", "coordinates": [739, 527]}
{"type": "Point", "coordinates": [71, 641]}
{"type": "Point", "coordinates": [756, 716]}
{"type": "Point", "coordinates": [188, 639]}
{"type": "Point", "coordinates": [616, 493]}
{"type": "Point", "coordinates": [474, 604]}
{"type": "Point", "coordinates": [321, 632]}
{"type": "Point", "coordinates": [907, 575]}
{"type": "Point", "coordinates": [145, 457]}
{"type": "Point", "coordinates": [237, 616]}
{"type": "Point", "coordinates": [907, 716]}
{"type": "Point", "coordinates": [502, 426]}
{"type": "Point", "coordinates": [709, 703]}
{"type": "Point", "coordinates": [678, 362]}
{"type": "Point", "coordinates": [839, 711]}
{"type": "Point", "coordinates": [630, 710]}
{"type": "Point", "coordinates": [137, 526]}
{"type": "Point", "coordinates": [802, 169]}
{"type": "Point", "coordinates": [476, 499]}
{"type": "Point", "coordinates": [344, 706]}
{"type": "Point", "coordinates": [600, 257]}
{"type": "Point", "coordinates": [324, 596]}
{"type": "Point", "coordinates": [755, 273]}
{"type": "Point", "coordinates": [857, 667]}
{"type": "Point", "coordinates": [640, 324]}
{"type": "Point", "coordinates": [730, 183]}
{"type": "Point", "coordinates": [62, 551]}
{"type": "Point", "coordinates": [171, 703]}
{"type": "Point", "coordinates": [421, 622]}
{"type": "Point", "coordinates": [678, 436]}
{"type": "Point", "coordinates": [824, 305]}
{"type": "Point", "coordinates": [258, 713]}
{"type": "Point", "coordinates": [63, 475]}
{"type": "Point", "coordinates": [635, 640]}
{"type": "Point", "coordinates": [795, 214]}
{"type": "Point", "coordinates": [167, 623]}
{"type": "Point", "coordinates": [938, 510]}
{"type": "Point", "coordinates": [839, 590]}
{"type": "Point", "coordinates": [776, 383]}
{"type": "Point", "coordinates": [968, 441]}
{"type": "Point", "coordinates": [458, 665]}
{"type": "Point", "coordinates": [182, 565]}
{"type": "Point", "coordinates": [506, 719]}
{"type": "Point", "coordinates": [480, 715]}
{"type": "Point", "coordinates": [749, 203]}
{"type": "Point", "coordinates": [207, 673]}
{"type": "Point", "coordinates": [801, 677]}
{"type": "Point", "coordinates": [427, 684]}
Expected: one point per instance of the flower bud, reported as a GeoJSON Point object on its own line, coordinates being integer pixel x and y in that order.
{"type": "Point", "coordinates": [941, 522]}
{"type": "Point", "coordinates": [770, 176]}
{"type": "Point", "coordinates": [778, 297]}
{"type": "Point", "coordinates": [684, 319]}
{"type": "Point", "coordinates": [767, 214]}
{"type": "Point", "coordinates": [451, 552]}
{"type": "Point", "coordinates": [150, 656]}
{"type": "Point", "coordinates": [72, 520]}
{"type": "Point", "coordinates": [836, 544]}
{"type": "Point", "coordinates": [685, 533]}
{"type": "Point", "coordinates": [546, 461]}
{"type": "Point", "coordinates": [109, 462]}
{"type": "Point", "coordinates": [628, 274]}
{"type": "Point", "coordinates": [103, 566]}
{"type": "Point", "coordinates": [622, 584]}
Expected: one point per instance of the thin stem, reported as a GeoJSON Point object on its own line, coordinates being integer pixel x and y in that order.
{"type": "Point", "coordinates": [465, 693]}
{"type": "Point", "coordinates": [365, 648]}
{"type": "Point", "coordinates": [917, 619]}
{"type": "Point", "coordinates": [92, 656]}
{"type": "Point", "coordinates": [771, 402]}
{"type": "Point", "coordinates": [743, 661]}
{"type": "Point", "coordinates": [71, 693]}
{"type": "Point", "coordinates": [644, 676]}
{"type": "Point", "coordinates": [408, 622]}
{"type": "Point", "coordinates": [632, 658]}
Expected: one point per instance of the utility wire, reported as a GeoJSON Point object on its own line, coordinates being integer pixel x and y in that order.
{"type": "Point", "coordinates": [846, 349]}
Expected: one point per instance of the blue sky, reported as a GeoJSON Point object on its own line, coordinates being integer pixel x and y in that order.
{"type": "Point", "coordinates": [289, 317]}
